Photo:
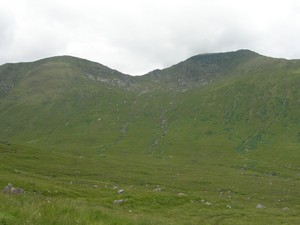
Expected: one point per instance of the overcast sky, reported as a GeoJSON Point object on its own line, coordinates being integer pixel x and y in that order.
{"type": "Point", "coordinates": [136, 36]}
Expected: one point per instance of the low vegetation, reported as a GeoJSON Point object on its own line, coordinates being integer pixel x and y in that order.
{"type": "Point", "coordinates": [89, 145]}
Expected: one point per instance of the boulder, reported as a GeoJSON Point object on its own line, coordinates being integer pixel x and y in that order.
{"type": "Point", "coordinates": [157, 189]}
{"type": "Point", "coordinates": [181, 195]}
{"type": "Point", "coordinates": [10, 189]}
{"type": "Point", "coordinates": [260, 206]}
{"type": "Point", "coordinates": [119, 201]}
{"type": "Point", "coordinates": [121, 191]}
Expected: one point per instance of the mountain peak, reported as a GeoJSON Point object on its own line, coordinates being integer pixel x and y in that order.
{"type": "Point", "coordinates": [229, 55]}
{"type": "Point", "coordinates": [203, 69]}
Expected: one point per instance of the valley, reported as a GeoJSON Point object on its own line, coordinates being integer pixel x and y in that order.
{"type": "Point", "coordinates": [211, 140]}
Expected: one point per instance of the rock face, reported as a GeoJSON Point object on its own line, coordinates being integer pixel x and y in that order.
{"type": "Point", "coordinates": [10, 189]}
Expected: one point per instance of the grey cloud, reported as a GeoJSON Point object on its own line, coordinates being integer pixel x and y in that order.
{"type": "Point", "coordinates": [7, 24]}
{"type": "Point", "coordinates": [138, 36]}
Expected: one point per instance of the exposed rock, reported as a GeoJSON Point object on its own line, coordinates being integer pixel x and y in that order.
{"type": "Point", "coordinates": [181, 194]}
{"type": "Point", "coordinates": [90, 76]}
{"type": "Point", "coordinates": [285, 209]}
{"type": "Point", "coordinates": [228, 206]}
{"type": "Point", "coordinates": [10, 189]}
{"type": "Point", "coordinates": [157, 189]}
{"type": "Point", "coordinates": [260, 206]}
{"type": "Point", "coordinates": [121, 191]}
{"type": "Point", "coordinates": [119, 201]}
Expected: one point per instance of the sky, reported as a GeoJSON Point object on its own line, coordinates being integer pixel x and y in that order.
{"type": "Point", "coordinates": [137, 36]}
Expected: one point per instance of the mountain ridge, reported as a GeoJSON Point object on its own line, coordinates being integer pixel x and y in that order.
{"type": "Point", "coordinates": [195, 71]}
{"type": "Point", "coordinates": [65, 79]}
{"type": "Point", "coordinates": [75, 58]}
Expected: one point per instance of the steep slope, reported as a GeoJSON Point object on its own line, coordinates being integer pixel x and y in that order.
{"type": "Point", "coordinates": [203, 69]}
{"type": "Point", "coordinates": [58, 70]}
{"type": "Point", "coordinates": [66, 100]}
{"type": "Point", "coordinates": [49, 94]}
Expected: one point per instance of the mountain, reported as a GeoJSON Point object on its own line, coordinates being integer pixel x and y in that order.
{"type": "Point", "coordinates": [206, 140]}
{"type": "Point", "coordinates": [203, 69]}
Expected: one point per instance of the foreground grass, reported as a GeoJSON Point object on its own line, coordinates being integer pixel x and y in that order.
{"type": "Point", "coordinates": [70, 189]}
{"type": "Point", "coordinates": [45, 210]}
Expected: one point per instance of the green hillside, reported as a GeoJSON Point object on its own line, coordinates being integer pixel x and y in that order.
{"type": "Point", "coordinates": [202, 142]}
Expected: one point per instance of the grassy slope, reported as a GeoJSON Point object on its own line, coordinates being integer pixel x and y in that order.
{"type": "Point", "coordinates": [234, 142]}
